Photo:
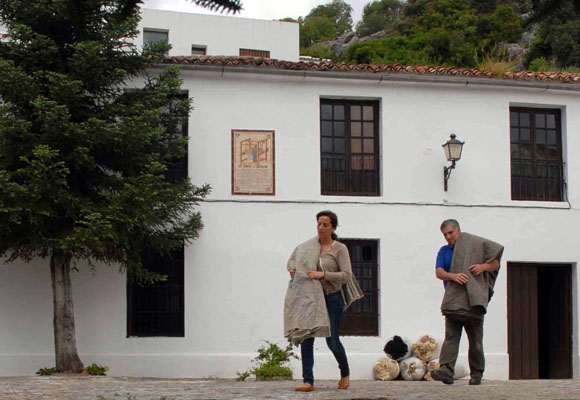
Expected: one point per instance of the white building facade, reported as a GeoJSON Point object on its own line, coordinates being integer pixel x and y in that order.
{"type": "Point", "coordinates": [215, 35]}
{"type": "Point", "coordinates": [388, 126]}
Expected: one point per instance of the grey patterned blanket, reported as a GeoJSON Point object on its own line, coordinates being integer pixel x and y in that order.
{"type": "Point", "coordinates": [305, 313]}
{"type": "Point", "coordinates": [471, 299]}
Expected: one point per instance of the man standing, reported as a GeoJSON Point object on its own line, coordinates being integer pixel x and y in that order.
{"type": "Point", "coordinates": [468, 266]}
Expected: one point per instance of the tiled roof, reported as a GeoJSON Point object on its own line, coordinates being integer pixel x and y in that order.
{"type": "Point", "coordinates": [380, 69]}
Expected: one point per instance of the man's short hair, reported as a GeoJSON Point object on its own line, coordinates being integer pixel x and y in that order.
{"type": "Point", "coordinates": [450, 222]}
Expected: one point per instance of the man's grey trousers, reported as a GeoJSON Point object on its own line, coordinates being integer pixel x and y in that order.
{"type": "Point", "coordinates": [450, 349]}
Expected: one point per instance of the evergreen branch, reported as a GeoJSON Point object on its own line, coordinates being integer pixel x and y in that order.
{"type": "Point", "coordinates": [234, 6]}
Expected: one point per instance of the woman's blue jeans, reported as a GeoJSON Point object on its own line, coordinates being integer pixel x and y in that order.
{"type": "Point", "coordinates": [335, 306]}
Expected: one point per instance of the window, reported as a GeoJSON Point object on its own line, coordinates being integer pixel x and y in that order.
{"type": "Point", "coordinates": [158, 309]}
{"type": "Point", "coordinates": [198, 50]}
{"type": "Point", "coordinates": [362, 317]}
{"type": "Point", "coordinates": [177, 168]}
{"type": "Point", "coordinates": [349, 147]}
{"type": "Point", "coordinates": [155, 35]}
{"type": "Point", "coordinates": [254, 53]}
{"type": "Point", "coordinates": [537, 168]}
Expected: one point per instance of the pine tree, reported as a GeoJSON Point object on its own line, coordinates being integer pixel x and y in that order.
{"type": "Point", "coordinates": [86, 164]}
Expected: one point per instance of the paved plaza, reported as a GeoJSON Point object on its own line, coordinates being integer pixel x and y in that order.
{"type": "Point", "coordinates": [65, 387]}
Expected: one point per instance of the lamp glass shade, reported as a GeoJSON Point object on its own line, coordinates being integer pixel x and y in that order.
{"type": "Point", "coordinates": [453, 149]}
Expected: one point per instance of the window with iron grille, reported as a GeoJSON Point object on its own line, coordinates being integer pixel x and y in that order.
{"type": "Point", "coordinates": [350, 161]}
{"type": "Point", "coordinates": [362, 317]}
{"type": "Point", "coordinates": [254, 53]}
{"type": "Point", "coordinates": [537, 168]}
{"type": "Point", "coordinates": [158, 309]}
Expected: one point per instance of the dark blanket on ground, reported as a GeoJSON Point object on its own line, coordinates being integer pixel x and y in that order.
{"type": "Point", "coordinates": [471, 300]}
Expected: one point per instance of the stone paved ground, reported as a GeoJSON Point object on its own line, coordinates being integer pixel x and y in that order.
{"type": "Point", "coordinates": [115, 388]}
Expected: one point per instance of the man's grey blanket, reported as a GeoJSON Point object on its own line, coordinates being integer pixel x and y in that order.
{"type": "Point", "coordinates": [471, 300]}
{"type": "Point", "coordinates": [305, 313]}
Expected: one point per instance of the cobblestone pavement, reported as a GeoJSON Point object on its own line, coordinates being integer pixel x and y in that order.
{"type": "Point", "coordinates": [75, 387]}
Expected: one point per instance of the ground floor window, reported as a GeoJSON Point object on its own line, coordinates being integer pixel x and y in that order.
{"type": "Point", "coordinates": [158, 309]}
{"type": "Point", "coordinates": [362, 317]}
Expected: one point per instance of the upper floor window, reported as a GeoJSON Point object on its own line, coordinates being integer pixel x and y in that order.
{"type": "Point", "coordinates": [198, 50]}
{"type": "Point", "coordinates": [362, 317]}
{"type": "Point", "coordinates": [155, 35]}
{"type": "Point", "coordinates": [158, 309]}
{"type": "Point", "coordinates": [349, 147]}
{"type": "Point", "coordinates": [254, 53]}
{"type": "Point", "coordinates": [537, 168]}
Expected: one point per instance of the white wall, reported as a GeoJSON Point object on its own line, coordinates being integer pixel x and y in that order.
{"type": "Point", "coordinates": [223, 35]}
{"type": "Point", "coordinates": [235, 277]}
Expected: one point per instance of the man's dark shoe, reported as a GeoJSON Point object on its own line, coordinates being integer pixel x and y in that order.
{"type": "Point", "coordinates": [442, 376]}
{"type": "Point", "coordinates": [475, 380]}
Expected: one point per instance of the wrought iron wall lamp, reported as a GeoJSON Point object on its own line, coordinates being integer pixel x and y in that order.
{"type": "Point", "coordinates": [452, 148]}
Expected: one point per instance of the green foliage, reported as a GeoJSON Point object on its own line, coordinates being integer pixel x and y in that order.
{"type": "Point", "coordinates": [85, 165]}
{"type": "Point", "coordinates": [270, 371]}
{"type": "Point", "coordinates": [380, 15]}
{"type": "Point", "coordinates": [272, 361]}
{"type": "Point", "coordinates": [559, 41]}
{"type": "Point", "coordinates": [46, 371]}
{"type": "Point", "coordinates": [95, 369]}
{"type": "Point", "coordinates": [543, 65]}
{"type": "Point", "coordinates": [242, 376]}
{"type": "Point", "coordinates": [318, 50]}
{"type": "Point", "coordinates": [440, 32]}
{"type": "Point", "coordinates": [338, 11]}
{"type": "Point", "coordinates": [317, 29]}
{"type": "Point", "coordinates": [324, 22]}
{"type": "Point", "coordinates": [390, 50]}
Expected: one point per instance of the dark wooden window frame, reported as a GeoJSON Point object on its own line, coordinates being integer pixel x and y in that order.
{"type": "Point", "coordinates": [339, 175]}
{"type": "Point", "coordinates": [254, 53]}
{"type": "Point", "coordinates": [363, 316]}
{"type": "Point", "coordinates": [202, 50]}
{"type": "Point", "coordinates": [158, 310]}
{"type": "Point", "coordinates": [529, 186]}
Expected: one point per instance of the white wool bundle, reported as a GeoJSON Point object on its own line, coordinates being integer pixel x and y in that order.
{"type": "Point", "coordinates": [461, 368]}
{"type": "Point", "coordinates": [431, 365]}
{"type": "Point", "coordinates": [386, 369]}
{"type": "Point", "coordinates": [412, 369]}
{"type": "Point", "coordinates": [427, 348]}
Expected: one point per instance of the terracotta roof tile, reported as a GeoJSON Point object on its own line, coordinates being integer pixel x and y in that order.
{"type": "Point", "coordinates": [268, 63]}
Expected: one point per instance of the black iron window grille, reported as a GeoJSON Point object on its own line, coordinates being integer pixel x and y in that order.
{"type": "Point", "coordinates": [158, 309]}
{"type": "Point", "coordinates": [362, 317]}
{"type": "Point", "coordinates": [537, 167]}
{"type": "Point", "coordinates": [349, 135]}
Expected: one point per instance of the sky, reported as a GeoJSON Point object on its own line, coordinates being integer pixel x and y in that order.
{"type": "Point", "coordinates": [260, 9]}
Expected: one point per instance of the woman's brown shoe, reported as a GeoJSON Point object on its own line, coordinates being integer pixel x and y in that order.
{"type": "Point", "coordinates": [344, 383]}
{"type": "Point", "coordinates": [307, 387]}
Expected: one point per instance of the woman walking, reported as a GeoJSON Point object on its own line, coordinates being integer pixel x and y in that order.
{"type": "Point", "coordinates": [314, 304]}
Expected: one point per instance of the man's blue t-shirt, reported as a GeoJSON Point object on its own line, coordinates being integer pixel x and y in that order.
{"type": "Point", "coordinates": [444, 258]}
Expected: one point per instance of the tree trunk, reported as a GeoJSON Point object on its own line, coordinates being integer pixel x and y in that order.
{"type": "Point", "coordinates": [65, 344]}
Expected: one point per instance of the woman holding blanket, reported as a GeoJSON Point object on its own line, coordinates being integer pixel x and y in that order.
{"type": "Point", "coordinates": [314, 303]}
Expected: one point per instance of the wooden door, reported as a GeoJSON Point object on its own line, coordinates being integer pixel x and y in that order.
{"type": "Point", "coordinates": [540, 321]}
{"type": "Point", "coordinates": [523, 321]}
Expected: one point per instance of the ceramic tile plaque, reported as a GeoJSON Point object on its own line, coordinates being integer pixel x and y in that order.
{"type": "Point", "coordinates": [253, 162]}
